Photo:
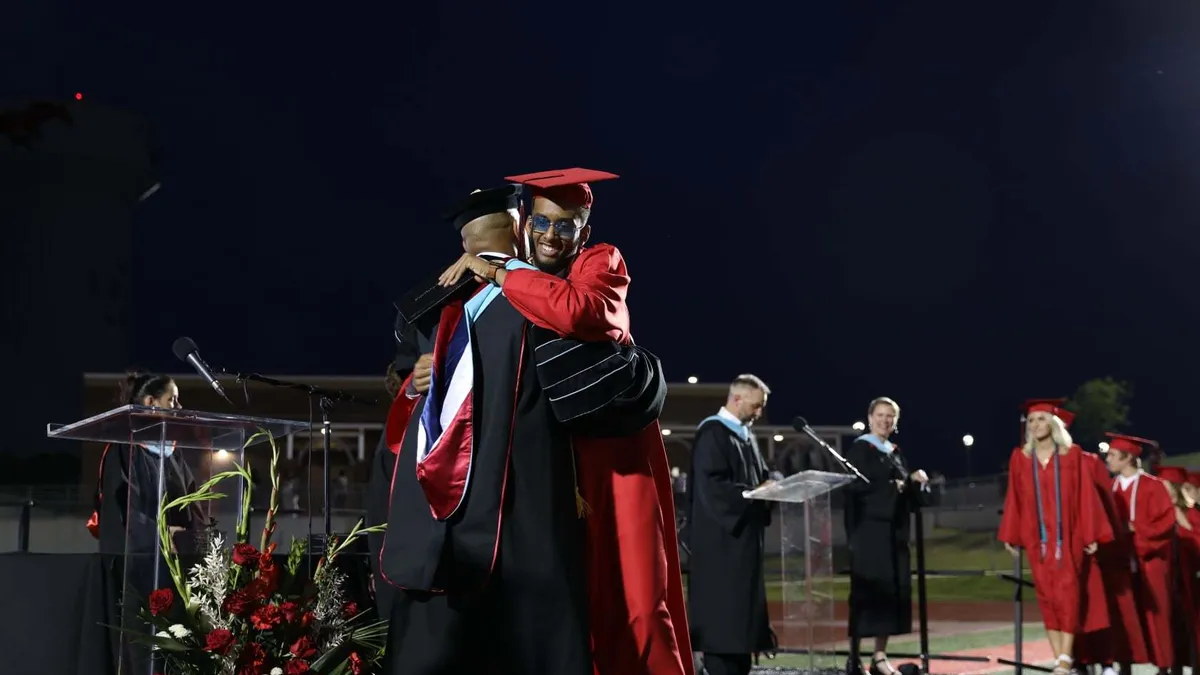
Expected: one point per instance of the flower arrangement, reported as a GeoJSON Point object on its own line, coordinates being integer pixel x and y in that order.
{"type": "Point", "coordinates": [240, 612]}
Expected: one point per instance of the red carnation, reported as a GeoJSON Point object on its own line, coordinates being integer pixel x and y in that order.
{"type": "Point", "coordinates": [356, 663]}
{"type": "Point", "coordinates": [161, 601]}
{"type": "Point", "coordinates": [219, 641]}
{"type": "Point", "coordinates": [240, 603]}
{"type": "Point", "coordinates": [349, 610]}
{"type": "Point", "coordinates": [296, 667]}
{"type": "Point", "coordinates": [245, 555]}
{"type": "Point", "coordinates": [252, 658]}
{"type": "Point", "coordinates": [266, 618]}
{"type": "Point", "coordinates": [258, 590]}
{"type": "Point", "coordinates": [291, 611]}
{"type": "Point", "coordinates": [303, 648]}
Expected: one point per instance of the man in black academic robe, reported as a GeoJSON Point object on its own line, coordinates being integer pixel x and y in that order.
{"type": "Point", "coordinates": [412, 340]}
{"type": "Point", "coordinates": [484, 535]}
{"type": "Point", "coordinates": [727, 593]}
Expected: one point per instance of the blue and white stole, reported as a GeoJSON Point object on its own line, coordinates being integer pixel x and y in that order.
{"type": "Point", "coordinates": [740, 430]}
{"type": "Point", "coordinates": [1058, 512]}
{"type": "Point", "coordinates": [445, 444]}
{"type": "Point", "coordinates": [881, 445]}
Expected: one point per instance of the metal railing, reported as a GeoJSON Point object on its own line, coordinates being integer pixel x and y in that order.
{"type": "Point", "coordinates": [957, 495]}
{"type": "Point", "coordinates": [74, 497]}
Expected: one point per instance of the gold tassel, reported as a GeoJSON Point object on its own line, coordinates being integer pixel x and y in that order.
{"type": "Point", "coordinates": [581, 507]}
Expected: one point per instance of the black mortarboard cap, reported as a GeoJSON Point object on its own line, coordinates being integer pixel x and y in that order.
{"type": "Point", "coordinates": [482, 203]}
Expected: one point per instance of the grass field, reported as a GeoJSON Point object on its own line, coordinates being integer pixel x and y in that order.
{"type": "Point", "coordinates": [969, 564]}
{"type": "Point", "coordinates": [911, 645]}
{"type": "Point", "coordinates": [991, 643]}
{"type": "Point", "coordinates": [973, 561]}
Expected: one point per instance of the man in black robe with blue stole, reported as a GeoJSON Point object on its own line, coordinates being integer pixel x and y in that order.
{"type": "Point", "coordinates": [727, 593]}
{"type": "Point", "coordinates": [484, 537]}
{"type": "Point", "coordinates": [412, 340]}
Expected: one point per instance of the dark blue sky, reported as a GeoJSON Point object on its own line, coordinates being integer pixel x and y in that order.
{"type": "Point", "coordinates": [956, 204]}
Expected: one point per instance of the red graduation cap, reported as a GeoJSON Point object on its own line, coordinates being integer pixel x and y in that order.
{"type": "Point", "coordinates": [1052, 406]}
{"type": "Point", "coordinates": [1130, 445]}
{"type": "Point", "coordinates": [566, 187]}
{"type": "Point", "coordinates": [1173, 474]}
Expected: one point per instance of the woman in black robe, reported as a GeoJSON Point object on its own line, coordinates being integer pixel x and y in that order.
{"type": "Point", "coordinates": [127, 503]}
{"type": "Point", "coordinates": [877, 528]}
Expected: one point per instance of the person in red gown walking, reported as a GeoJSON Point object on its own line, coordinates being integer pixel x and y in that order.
{"type": "Point", "coordinates": [1108, 587]}
{"type": "Point", "coordinates": [1148, 516]}
{"type": "Point", "coordinates": [1053, 511]}
{"type": "Point", "coordinates": [1186, 559]}
{"type": "Point", "coordinates": [1191, 492]}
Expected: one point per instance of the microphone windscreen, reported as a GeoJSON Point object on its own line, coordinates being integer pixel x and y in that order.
{"type": "Point", "coordinates": [182, 347]}
{"type": "Point", "coordinates": [799, 423]}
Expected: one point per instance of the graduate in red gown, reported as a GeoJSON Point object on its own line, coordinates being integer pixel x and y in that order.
{"type": "Point", "coordinates": [1190, 537]}
{"type": "Point", "coordinates": [1053, 512]}
{"type": "Point", "coordinates": [1186, 558]}
{"type": "Point", "coordinates": [636, 610]}
{"type": "Point", "coordinates": [485, 538]}
{"type": "Point", "coordinates": [1148, 516]}
{"type": "Point", "coordinates": [1108, 587]}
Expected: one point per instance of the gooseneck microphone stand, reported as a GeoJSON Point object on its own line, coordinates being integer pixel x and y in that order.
{"type": "Point", "coordinates": [800, 424]}
{"type": "Point", "coordinates": [326, 398]}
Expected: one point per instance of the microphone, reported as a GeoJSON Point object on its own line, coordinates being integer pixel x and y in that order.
{"type": "Point", "coordinates": [800, 424]}
{"type": "Point", "coordinates": [185, 350]}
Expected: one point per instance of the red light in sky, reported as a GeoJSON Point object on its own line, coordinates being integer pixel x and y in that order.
{"type": "Point", "coordinates": [78, 96]}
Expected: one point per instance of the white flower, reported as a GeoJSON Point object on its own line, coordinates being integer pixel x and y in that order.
{"type": "Point", "coordinates": [178, 631]}
{"type": "Point", "coordinates": [277, 671]}
{"type": "Point", "coordinates": [162, 634]}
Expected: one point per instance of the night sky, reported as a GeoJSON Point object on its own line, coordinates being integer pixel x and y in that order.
{"type": "Point", "coordinates": [955, 204]}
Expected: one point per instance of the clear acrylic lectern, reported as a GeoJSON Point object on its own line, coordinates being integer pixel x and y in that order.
{"type": "Point", "coordinates": [152, 452]}
{"type": "Point", "coordinates": [806, 620]}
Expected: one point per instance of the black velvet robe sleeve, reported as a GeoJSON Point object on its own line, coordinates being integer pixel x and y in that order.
{"type": "Point", "coordinates": [412, 340]}
{"type": "Point", "coordinates": [112, 500]}
{"type": "Point", "coordinates": [717, 484]}
{"type": "Point", "coordinates": [378, 494]}
{"type": "Point", "coordinates": [599, 389]}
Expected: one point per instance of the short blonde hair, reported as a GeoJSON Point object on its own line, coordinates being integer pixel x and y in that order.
{"type": "Point", "coordinates": [748, 381]}
{"type": "Point", "coordinates": [883, 400]}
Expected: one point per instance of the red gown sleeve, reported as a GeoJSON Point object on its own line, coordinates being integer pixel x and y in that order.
{"type": "Point", "coordinates": [398, 416]}
{"type": "Point", "coordinates": [1154, 521]}
{"type": "Point", "coordinates": [1094, 526]}
{"type": "Point", "coordinates": [1010, 522]}
{"type": "Point", "coordinates": [588, 305]}
{"type": "Point", "coordinates": [1103, 482]}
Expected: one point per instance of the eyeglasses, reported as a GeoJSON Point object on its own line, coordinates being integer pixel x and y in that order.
{"type": "Point", "coordinates": [565, 228]}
